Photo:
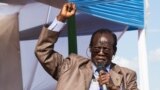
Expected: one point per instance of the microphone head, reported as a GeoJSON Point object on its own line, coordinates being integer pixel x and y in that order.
{"type": "Point", "coordinates": [100, 66]}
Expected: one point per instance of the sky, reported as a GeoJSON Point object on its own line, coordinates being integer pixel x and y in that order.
{"type": "Point", "coordinates": [153, 44]}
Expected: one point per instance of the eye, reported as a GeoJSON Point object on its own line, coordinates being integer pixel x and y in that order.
{"type": "Point", "coordinates": [105, 50]}
{"type": "Point", "coordinates": [96, 49]}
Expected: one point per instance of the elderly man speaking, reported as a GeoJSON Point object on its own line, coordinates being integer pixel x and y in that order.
{"type": "Point", "coordinates": [77, 72]}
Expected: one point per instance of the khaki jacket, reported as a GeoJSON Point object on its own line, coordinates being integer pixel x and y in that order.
{"type": "Point", "coordinates": [75, 72]}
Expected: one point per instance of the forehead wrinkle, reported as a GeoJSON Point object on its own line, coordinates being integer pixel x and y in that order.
{"type": "Point", "coordinates": [102, 38]}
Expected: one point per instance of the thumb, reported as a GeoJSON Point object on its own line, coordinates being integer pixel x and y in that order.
{"type": "Point", "coordinates": [102, 72]}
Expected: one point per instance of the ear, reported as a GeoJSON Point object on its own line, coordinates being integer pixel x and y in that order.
{"type": "Point", "coordinates": [89, 48]}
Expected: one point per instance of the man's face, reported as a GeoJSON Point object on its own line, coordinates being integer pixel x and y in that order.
{"type": "Point", "coordinates": [102, 49]}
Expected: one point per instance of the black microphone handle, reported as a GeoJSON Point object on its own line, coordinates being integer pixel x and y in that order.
{"type": "Point", "coordinates": [101, 66]}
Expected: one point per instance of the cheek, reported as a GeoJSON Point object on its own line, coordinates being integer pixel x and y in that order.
{"type": "Point", "coordinates": [94, 52]}
{"type": "Point", "coordinates": [93, 55]}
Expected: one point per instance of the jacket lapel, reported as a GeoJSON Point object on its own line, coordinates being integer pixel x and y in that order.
{"type": "Point", "coordinates": [116, 77]}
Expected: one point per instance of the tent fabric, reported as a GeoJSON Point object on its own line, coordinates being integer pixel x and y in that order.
{"type": "Point", "coordinates": [10, 66]}
{"type": "Point", "coordinates": [15, 1]}
{"type": "Point", "coordinates": [129, 12]}
{"type": "Point", "coordinates": [54, 3]}
{"type": "Point", "coordinates": [93, 23]}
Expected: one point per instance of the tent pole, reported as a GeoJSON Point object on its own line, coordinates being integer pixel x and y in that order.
{"type": "Point", "coordinates": [143, 60]}
{"type": "Point", "coordinates": [142, 51]}
{"type": "Point", "coordinates": [72, 39]}
{"type": "Point", "coordinates": [48, 14]}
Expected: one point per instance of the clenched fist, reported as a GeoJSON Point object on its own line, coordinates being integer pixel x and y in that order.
{"type": "Point", "coordinates": [68, 10]}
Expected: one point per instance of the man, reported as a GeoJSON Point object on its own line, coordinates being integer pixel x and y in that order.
{"type": "Point", "coordinates": [76, 72]}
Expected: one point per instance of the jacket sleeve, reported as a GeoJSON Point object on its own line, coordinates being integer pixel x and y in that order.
{"type": "Point", "coordinates": [49, 59]}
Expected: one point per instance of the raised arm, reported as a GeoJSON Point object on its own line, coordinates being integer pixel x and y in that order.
{"type": "Point", "coordinates": [49, 58]}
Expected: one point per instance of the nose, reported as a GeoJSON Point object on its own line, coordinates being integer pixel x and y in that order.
{"type": "Point", "coordinates": [101, 52]}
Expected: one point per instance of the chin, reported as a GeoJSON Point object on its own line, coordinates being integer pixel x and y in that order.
{"type": "Point", "coordinates": [100, 62]}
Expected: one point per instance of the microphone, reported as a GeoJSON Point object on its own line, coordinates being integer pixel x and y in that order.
{"type": "Point", "coordinates": [100, 66]}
